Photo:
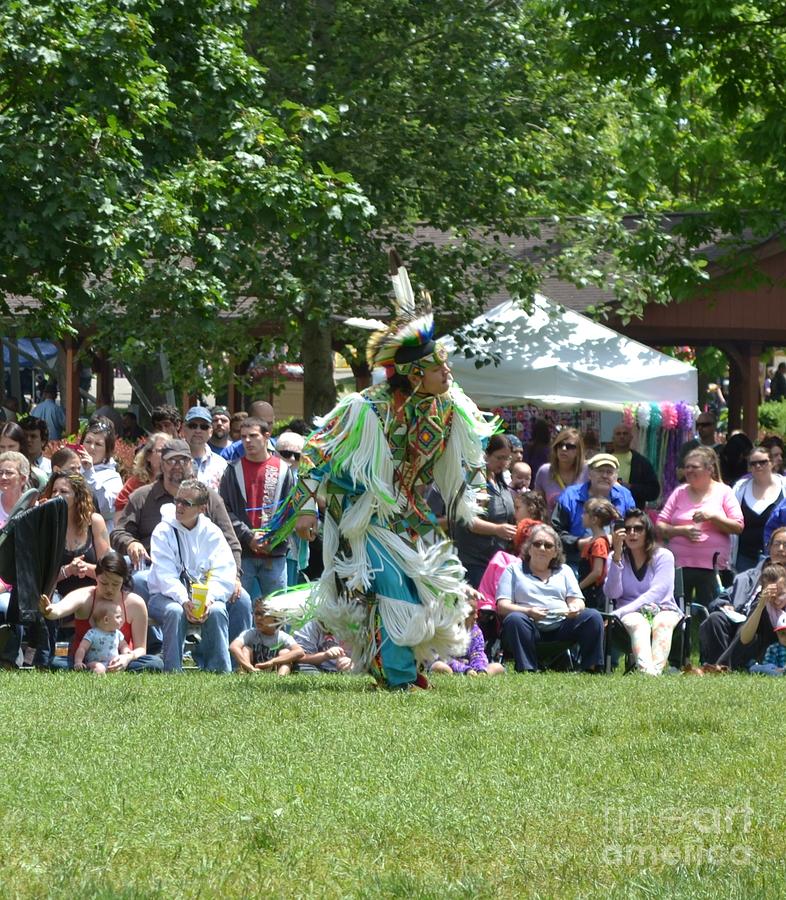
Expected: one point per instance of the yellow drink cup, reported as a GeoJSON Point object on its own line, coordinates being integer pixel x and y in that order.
{"type": "Point", "coordinates": [198, 599]}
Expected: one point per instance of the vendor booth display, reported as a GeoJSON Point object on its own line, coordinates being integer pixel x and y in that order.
{"type": "Point", "coordinates": [662, 429]}
{"type": "Point", "coordinates": [519, 420]}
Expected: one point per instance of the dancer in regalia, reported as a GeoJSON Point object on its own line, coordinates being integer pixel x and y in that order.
{"type": "Point", "coordinates": [393, 589]}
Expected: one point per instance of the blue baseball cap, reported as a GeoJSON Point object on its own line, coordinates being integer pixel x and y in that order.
{"type": "Point", "coordinates": [199, 412]}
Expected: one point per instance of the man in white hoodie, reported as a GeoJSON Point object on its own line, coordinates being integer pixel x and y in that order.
{"type": "Point", "coordinates": [184, 547]}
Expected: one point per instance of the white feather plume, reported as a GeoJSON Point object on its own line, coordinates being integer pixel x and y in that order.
{"type": "Point", "coordinates": [405, 299]}
{"type": "Point", "coordinates": [370, 324]}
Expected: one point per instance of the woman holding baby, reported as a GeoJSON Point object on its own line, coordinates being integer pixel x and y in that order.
{"type": "Point", "coordinates": [112, 591]}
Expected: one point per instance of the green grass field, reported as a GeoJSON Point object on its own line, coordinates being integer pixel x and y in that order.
{"type": "Point", "coordinates": [542, 786]}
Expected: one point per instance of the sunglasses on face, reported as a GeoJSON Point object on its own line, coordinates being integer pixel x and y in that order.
{"type": "Point", "coordinates": [758, 463]}
{"type": "Point", "coordinates": [289, 454]}
{"type": "Point", "coordinates": [634, 529]}
{"type": "Point", "coordinates": [778, 545]}
{"type": "Point", "coordinates": [565, 445]}
{"type": "Point", "coordinates": [200, 426]}
{"type": "Point", "coordinates": [182, 501]}
{"type": "Point", "coordinates": [543, 545]}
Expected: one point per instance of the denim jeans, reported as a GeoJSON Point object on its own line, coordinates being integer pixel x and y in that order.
{"type": "Point", "coordinates": [262, 575]}
{"type": "Point", "coordinates": [521, 635]}
{"type": "Point", "coordinates": [213, 650]}
{"type": "Point", "coordinates": [241, 617]}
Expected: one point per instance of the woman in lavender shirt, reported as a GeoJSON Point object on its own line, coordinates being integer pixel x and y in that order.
{"type": "Point", "coordinates": [565, 467]}
{"type": "Point", "coordinates": [640, 584]}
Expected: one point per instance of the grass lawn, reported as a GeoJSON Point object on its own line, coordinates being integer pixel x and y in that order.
{"type": "Point", "coordinates": [541, 786]}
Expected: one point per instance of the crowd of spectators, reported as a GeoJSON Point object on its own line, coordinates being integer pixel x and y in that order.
{"type": "Point", "coordinates": [163, 564]}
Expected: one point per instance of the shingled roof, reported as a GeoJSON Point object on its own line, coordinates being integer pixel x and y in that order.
{"type": "Point", "coordinates": [537, 248]}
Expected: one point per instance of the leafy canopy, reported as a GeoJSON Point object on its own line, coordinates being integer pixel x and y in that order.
{"type": "Point", "coordinates": [144, 176]}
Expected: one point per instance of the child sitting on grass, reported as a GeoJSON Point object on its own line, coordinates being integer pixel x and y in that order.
{"type": "Point", "coordinates": [266, 646]}
{"type": "Point", "coordinates": [598, 515]}
{"type": "Point", "coordinates": [322, 652]}
{"type": "Point", "coordinates": [475, 662]}
{"type": "Point", "coordinates": [773, 663]}
{"type": "Point", "coordinates": [103, 642]}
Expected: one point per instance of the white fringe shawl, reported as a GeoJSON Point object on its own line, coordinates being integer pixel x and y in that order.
{"type": "Point", "coordinates": [464, 451]}
{"type": "Point", "coordinates": [432, 628]}
{"type": "Point", "coordinates": [369, 463]}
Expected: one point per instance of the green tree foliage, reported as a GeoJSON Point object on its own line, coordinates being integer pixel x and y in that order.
{"type": "Point", "coordinates": [707, 79]}
{"type": "Point", "coordinates": [458, 116]}
{"type": "Point", "coordinates": [146, 186]}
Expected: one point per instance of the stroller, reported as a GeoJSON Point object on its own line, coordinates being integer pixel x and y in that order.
{"type": "Point", "coordinates": [31, 545]}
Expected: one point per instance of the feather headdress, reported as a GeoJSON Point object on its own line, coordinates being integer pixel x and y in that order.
{"type": "Point", "coordinates": [405, 344]}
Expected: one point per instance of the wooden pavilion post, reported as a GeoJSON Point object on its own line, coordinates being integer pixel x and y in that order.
{"type": "Point", "coordinates": [744, 393]}
{"type": "Point", "coordinates": [70, 395]}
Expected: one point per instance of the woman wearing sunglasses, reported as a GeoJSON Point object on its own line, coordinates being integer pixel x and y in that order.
{"type": "Point", "coordinates": [640, 585]}
{"type": "Point", "coordinates": [758, 493]}
{"type": "Point", "coordinates": [147, 468]}
{"type": "Point", "coordinates": [565, 467]}
{"type": "Point", "coordinates": [540, 601]}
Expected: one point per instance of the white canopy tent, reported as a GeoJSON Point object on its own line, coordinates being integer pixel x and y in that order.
{"type": "Point", "coordinates": [556, 358]}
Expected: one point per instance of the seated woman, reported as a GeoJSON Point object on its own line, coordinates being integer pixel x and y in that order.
{"type": "Point", "coordinates": [147, 467]}
{"type": "Point", "coordinates": [529, 508]}
{"type": "Point", "coordinates": [539, 600]}
{"type": "Point", "coordinates": [640, 584]}
{"type": "Point", "coordinates": [99, 469]}
{"type": "Point", "coordinates": [767, 619]}
{"type": "Point", "coordinates": [113, 583]}
{"type": "Point", "coordinates": [86, 542]}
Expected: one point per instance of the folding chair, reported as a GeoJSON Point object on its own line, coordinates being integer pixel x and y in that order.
{"type": "Point", "coordinates": [552, 655]}
{"type": "Point", "coordinates": [616, 635]}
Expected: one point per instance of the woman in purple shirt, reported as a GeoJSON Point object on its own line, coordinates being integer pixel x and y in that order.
{"type": "Point", "coordinates": [640, 584]}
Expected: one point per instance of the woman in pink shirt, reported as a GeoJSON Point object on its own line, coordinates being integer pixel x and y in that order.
{"type": "Point", "coordinates": [698, 521]}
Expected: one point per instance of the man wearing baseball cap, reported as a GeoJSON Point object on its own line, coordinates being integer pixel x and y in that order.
{"type": "Point", "coordinates": [208, 466]}
{"type": "Point", "coordinates": [136, 523]}
{"type": "Point", "coordinates": [221, 421]}
{"type": "Point", "coordinates": [567, 518]}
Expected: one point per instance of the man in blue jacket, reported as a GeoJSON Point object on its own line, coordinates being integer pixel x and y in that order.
{"type": "Point", "coordinates": [569, 509]}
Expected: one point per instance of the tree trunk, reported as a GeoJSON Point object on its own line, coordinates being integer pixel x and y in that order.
{"type": "Point", "coordinates": [319, 389]}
